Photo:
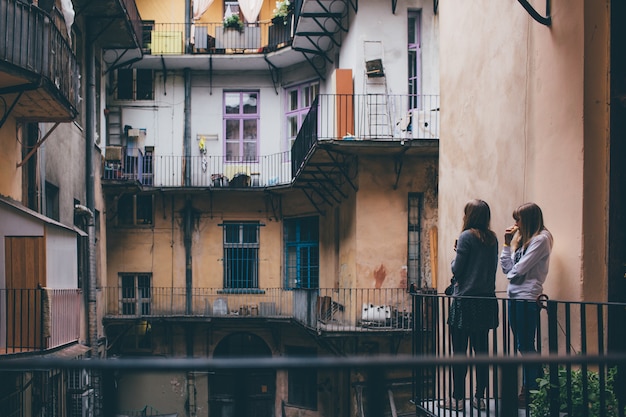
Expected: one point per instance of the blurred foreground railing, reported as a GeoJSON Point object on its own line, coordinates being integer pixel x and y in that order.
{"type": "Point", "coordinates": [604, 399]}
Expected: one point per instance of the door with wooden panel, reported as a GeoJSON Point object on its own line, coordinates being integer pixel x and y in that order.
{"type": "Point", "coordinates": [25, 262]}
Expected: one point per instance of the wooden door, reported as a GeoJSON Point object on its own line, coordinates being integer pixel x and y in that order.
{"type": "Point", "coordinates": [25, 272]}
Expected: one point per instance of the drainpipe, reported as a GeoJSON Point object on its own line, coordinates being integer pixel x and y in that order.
{"type": "Point", "coordinates": [187, 230]}
{"type": "Point", "coordinates": [187, 132]}
{"type": "Point", "coordinates": [90, 125]}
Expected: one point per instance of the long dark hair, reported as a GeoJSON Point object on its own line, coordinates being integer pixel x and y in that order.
{"type": "Point", "coordinates": [476, 219]}
{"type": "Point", "coordinates": [530, 220]}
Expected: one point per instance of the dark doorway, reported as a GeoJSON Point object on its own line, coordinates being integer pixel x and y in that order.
{"type": "Point", "coordinates": [240, 393]}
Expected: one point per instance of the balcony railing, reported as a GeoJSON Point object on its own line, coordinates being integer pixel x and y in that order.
{"type": "Point", "coordinates": [331, 117]}
{"type": "Point", "coordinates": [326, 310]}
{"type": "Point", "coordinates": [214, 38]}
{"type": "Point", "coordinates": [31, 41]}
{"type": "Point", "coordinates": [165, 171]}
{"type": "Point", "coordinates": [38, 319]}
{"type": "Point", "coordinates": [378, 117]}
{"type": "Point", "coordinates": [564, 329]}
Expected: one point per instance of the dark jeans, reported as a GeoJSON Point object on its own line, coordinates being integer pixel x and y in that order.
{"type": "Point", "coordinates": [479, 343]}
{"type": "Point", "coordinates": [523, 318]}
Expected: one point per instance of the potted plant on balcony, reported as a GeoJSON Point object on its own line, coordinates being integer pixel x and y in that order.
{"type": "Point", "coordinates": [233, 22]}
{"type": "Point", "coordinates": [282, 12]}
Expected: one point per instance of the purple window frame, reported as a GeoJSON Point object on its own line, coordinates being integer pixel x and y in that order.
{"type": "Point", "coordinates": [242, 116]}
{"type": "Point", "coordinates": [300, 111]}
{"type": "Point", "coordinates": [415, 65]}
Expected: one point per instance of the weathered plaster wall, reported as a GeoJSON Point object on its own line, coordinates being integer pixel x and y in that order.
{"type": "Point", "coordinates": [513, 127]}
{"type": "Point", "coordinates": [382, 220]}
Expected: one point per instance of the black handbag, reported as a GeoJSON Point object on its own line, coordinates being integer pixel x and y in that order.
{"type": "Point", "coordinates": [450, 288]}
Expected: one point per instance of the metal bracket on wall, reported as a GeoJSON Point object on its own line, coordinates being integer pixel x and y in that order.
{"type": "Point", "coordinates": [547, 20]}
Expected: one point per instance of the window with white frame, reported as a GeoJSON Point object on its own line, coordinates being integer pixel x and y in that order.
{"type": "Point", "coordinates": [241, 126]}
{"type": "Point", "coordinates": [414, 54]}
{"type": "Point", "coordinates": [135, 84]}
{"type": "Point", "coordinates": [135, 293]}
{"type": "Point", "coordinates": [241, 255]}
{"type": "Point", "coordinates": [299, 101]}
{"type": "Point", "coordinates": [301, 236]}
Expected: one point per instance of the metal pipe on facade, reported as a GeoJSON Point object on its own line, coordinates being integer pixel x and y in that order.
{"type": "Point", "coordinates": [90, 119]}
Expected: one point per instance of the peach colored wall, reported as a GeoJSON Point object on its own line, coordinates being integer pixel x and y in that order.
{"type": "Point", "coordinates": [513, 127]}
{"type": "Point", "coordinates": [382, 220]}
{"type": "Point", "coordinates": [10, 155]}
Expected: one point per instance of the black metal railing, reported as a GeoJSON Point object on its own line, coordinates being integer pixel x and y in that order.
{"type": "Point", "coordinates": [379, 117]}
{"type": "Point", "coordinates": [133, 17]}
{"type": "Point", "coordinates": [29, 40]}
{"type": "Point", "coordinates": [564, 329]}
{"type": "Point", "coordinates": [214, 38]}
{"type": "Point", "coordinates": [167, 171]}
{"type": "Point", "coordinates": [38, 319]}
{"type": "Point", "coordinates": [322, 309]}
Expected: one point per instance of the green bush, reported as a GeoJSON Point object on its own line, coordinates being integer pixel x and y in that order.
{"type": "Point", "coordinates": [540, 398]}
{"type": "Point", "coordinates": [233, 22]}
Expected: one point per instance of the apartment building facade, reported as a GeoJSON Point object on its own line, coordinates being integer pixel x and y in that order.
{"type": "Point", "coordinates": [48, 210]}
{"type": "Point", "coordinates": [270, 190]}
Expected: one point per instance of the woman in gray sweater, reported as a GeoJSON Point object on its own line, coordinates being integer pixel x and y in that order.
{"type": "Point", "coordinates": [525, 259]}
{"type": "Point", "coordinates": [474, 309]}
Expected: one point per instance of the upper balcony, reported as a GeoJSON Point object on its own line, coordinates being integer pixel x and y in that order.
{"type": "Point", "coordinates": [310, 34]}
{"type": "Point", "coordinates": [323, 310]}
{"type": "Point", "coordinates": [37, 320]}
{"type": "Point", "coordinates": [116, 23]}
{"type": "Point", "coordinates": [38, 70]}
{"type": "Point", "coordinates": [392, 124]}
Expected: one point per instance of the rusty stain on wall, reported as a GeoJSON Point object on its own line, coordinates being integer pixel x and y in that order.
{"type": "Point", "coordinates": [380, 274]}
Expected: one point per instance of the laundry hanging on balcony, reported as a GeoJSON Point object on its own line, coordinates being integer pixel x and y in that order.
{"type": "Point", "coordinates": [250, 9]}
{"type": "Point", "coordinates": [199, 8]}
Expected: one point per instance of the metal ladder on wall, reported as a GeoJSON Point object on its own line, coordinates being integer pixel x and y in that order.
{"type": "Point", "coordinates": [377, 113]}
{"type": "Point", "coordinates": [114, 126]}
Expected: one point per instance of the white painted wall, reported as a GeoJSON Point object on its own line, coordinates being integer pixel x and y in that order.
{"type": "Point", "coordinates": [61, 258]}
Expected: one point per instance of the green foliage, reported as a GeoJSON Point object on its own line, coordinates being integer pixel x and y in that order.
{"type": "Point", "coordinates": [540, 398]}
{"type": "Point", "coordinates": [233, 22]}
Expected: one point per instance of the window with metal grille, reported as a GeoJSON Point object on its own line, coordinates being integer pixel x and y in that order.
{"type": "Point", "coordinates": [135, 294]}
{"type": "Point", "coordinates": [301, 237]}
{"type": "Point", "coordinates": [241, 255]}
{"type": "Point", "coordinates": [414, 228]}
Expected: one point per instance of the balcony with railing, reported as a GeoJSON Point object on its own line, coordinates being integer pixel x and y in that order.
{"type": "Point", "coordinates": [324, 310]}
{"type": "Point", "coordinates": [346, 118]}
{"type": "Point", "coordinates": [214, 38]}
{"type": "Point", "coordinates": [35, 320]}
{"type": "Point", "coordinates": [43, 83]}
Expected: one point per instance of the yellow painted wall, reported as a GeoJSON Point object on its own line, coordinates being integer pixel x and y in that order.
{"type": "Point", "coordinates": [166, 11]}
{"type": "Point", "coordinates": [162, 11]}
{"type": "Point", "coordinates": [10, 155]}
{"type": "Point", "coordinates": [362, 238]}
